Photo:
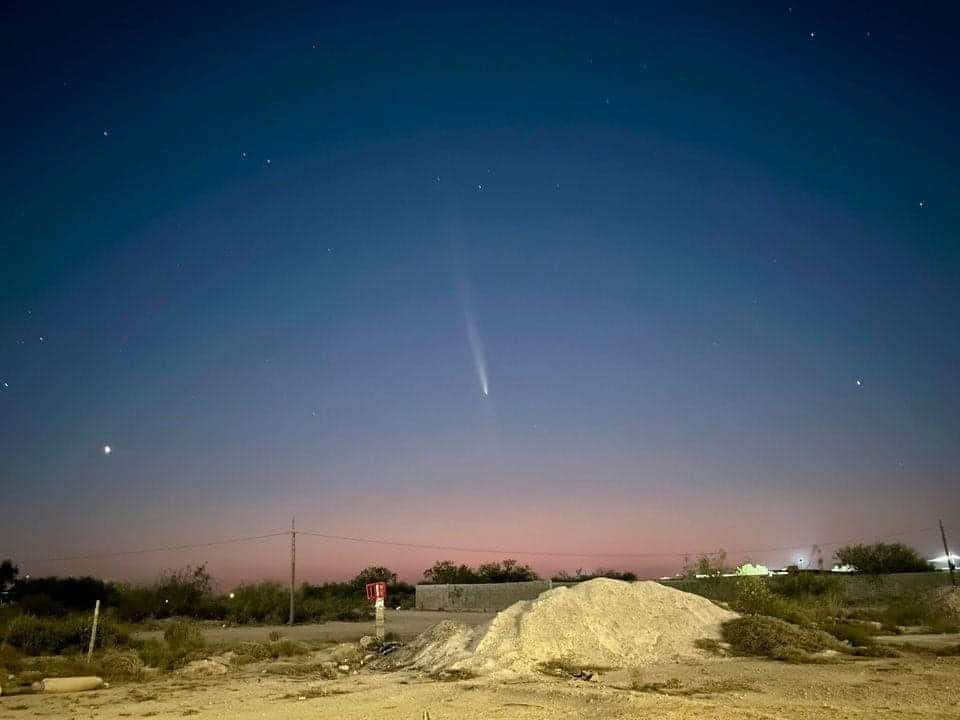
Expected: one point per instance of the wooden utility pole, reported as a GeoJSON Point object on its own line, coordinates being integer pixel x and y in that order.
{"type": "Point", "coordinates": [293, 562]}
{"type": "Point", "coordinates": [946, 549]}
{"type": "Point", "coordinates": [93, 630]}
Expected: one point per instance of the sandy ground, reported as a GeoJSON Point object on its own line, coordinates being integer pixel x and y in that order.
{"type": "Point", "coordinates": [406, 623]}
{"type": "Point", "coordinates": [908, 687]}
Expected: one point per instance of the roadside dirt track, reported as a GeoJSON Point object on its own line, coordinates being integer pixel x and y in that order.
{"type": "Point", "coordinates": [406, 623]}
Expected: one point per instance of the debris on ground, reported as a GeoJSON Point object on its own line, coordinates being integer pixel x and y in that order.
{"type": "Point", "coordinates": [68, 684]}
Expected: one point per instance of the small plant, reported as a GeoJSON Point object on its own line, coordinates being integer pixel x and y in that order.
{"type": "Point", "coordinates": [776, 639]}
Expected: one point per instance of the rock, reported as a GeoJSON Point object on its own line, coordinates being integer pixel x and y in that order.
{"type": "Point", "coordinates": [343, 668]}
{"type": "Point", "coordinates": [367, 642]}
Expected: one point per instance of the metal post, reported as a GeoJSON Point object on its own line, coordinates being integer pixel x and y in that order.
{"type": "Point", "coordinates": [293, 562]}
{"type": "Point", "coordinates": [93, 630]}
{"type": "Point", "coordinates": [946, 549]}
{"type": "Point", "coordinates": [378, 607]}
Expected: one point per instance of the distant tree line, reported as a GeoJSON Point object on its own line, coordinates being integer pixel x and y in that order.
{"type": "Point", "coordinates": [446, 572]}
{"type": "Point", "coordinates": [189, 592]}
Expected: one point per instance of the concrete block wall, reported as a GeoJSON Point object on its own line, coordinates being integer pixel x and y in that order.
{"type": "Point", "coordinates": [485, 597]}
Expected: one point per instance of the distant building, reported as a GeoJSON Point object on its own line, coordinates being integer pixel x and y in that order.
{"type": "Point", "coordinates": [748, 569]}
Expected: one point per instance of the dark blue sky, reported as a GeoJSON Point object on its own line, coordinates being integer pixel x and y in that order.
{"type": "Point", "coordinates": [708, 259]}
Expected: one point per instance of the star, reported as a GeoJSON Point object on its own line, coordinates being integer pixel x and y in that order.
{"type": "Point", "coordinates": [5, 384]}
{"type": "Point", "coordinates": [105, 133]}
{"type": "Point", "coordinates": [107, 449]}
{"type": "Point", "coordinates": [859, 382]}
{"type": "Point", "coordinates": [243, 154]}
{"type": "Point", "coordinates": [479, 187]}
{"type": "Point", "coordinates": [813, 34]}
{"type": "Point", "coordinates": [921, 203]}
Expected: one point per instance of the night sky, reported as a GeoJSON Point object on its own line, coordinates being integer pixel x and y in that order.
{"type": "Point", "coordinates": [650, 278]}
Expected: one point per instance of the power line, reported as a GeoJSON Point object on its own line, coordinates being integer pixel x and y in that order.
{"type": "Point", "coordinates": [457, 548]}
{"type": "Point", "coordinates": [534, 553]}
{"type": "Point", "coordinates": [144, 551]}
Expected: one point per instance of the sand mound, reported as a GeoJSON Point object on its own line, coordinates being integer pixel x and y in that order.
{"type": "Point", "coordinates": [600, 623]}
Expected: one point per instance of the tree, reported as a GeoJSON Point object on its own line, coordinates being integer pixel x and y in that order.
{"type": "Point", "coordinates": [372, 574]}
{"type": "Point", "coordinates": [709, 567]}
{"type": "Point", "coordinates": [8, 574]}
{"type": "Point", "coordinates": [507, 571]}
{"type": "Point", "coordinates": [882, 558]}
{"type": "Point", "coordinates": [445, 572]}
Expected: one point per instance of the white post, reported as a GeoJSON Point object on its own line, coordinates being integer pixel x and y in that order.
{"type": "Point", "coordinates": [93, 630]}
{"type": "Point", "coordinates": [378, 606]}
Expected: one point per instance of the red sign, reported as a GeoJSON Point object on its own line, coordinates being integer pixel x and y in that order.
{"type": "Point", "coordinates": [376, 591]}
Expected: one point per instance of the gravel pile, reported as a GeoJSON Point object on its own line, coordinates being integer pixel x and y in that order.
{"type": "Point", "coordinates": [600, 623]}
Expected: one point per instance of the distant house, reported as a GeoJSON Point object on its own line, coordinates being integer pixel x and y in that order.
{"type": "Point", "coordinates": [748, 569]}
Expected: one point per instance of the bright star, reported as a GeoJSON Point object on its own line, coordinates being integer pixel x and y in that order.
{"type": "Point", "coordinates": [107, 449]}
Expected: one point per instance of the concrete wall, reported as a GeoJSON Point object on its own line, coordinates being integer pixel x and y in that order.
{"type": "Point", "coordinates": [484, 597]}
{"type": "Point", "coordinates": [493, 597]}
{"type": "Point", "coordinates": [863, 588]}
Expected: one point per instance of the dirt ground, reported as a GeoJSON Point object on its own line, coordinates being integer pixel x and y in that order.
{"type": "Point", "coordinates": [406, 623]}
{"type": "Point", "coordinates": [907, 687]}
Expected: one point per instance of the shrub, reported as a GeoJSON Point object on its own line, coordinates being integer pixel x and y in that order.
{"type": "Point", "coordinates": [54, 636]}
{"type": "Point", "coordinates": [774, 638]}
{"type": "Point", "coordinates": [184, 635]}
{"type": "Point", "coordinates": [882, 558]}
{"type": "Point", "coordinates": [267, 602]}
{"type": "Point", "coordinates": [806, 585]}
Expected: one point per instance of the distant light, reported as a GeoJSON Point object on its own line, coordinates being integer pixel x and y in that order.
{"type": "Point", "coordinates": [107, 449]}
{"type": "Point", "coordinates": [232, 596]}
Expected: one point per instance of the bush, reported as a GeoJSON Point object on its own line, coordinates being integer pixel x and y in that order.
{"type": "Point", "coordinates": [806, 585]}
{"type": "Point", "coordinates": [774, 638]}
{"type": "Point", "coordinates": [55, 636]}
{"type": "Point", "coordinates": [266, 602]}
{"type": "Point", "coordinates": [184, 635]}
{"type": "Point", "coordinates": [882, 558]}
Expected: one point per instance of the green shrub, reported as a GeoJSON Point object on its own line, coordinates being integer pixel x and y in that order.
{"type": "Point", "coordinates": [856, 634]}
{"type": "Point", "coordinates": [266, 602]}
{"type": "Point", "coordinates": [806, 585]}
{"type": "Point", "coordinates": [774, 638]}
{"type": "Point", "coordinates": [55, 636]}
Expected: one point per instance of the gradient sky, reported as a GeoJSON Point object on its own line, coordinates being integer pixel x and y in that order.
{"type": "Point", "coordinates": [705, 260]}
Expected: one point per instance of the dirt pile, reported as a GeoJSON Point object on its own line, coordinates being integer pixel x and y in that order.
{"type": "Point", "coordinates": [596, 624]}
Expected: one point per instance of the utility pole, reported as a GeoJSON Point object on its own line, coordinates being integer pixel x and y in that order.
{"type": "Point", "coordinates": [293, 562]}
{"type": "Point", "coordinates": [943, 536]}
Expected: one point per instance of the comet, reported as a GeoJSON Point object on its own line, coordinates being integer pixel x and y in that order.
{"type": "Point", "coordinates": [476, 350]}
